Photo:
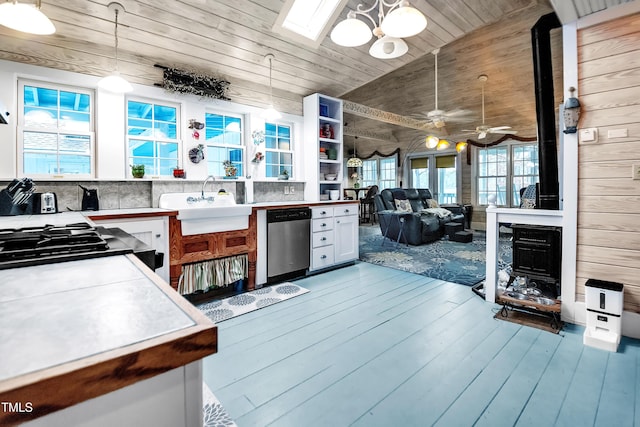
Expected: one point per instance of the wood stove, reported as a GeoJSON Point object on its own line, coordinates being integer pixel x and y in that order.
{"type": "Point", "coordinates": [537, 254]}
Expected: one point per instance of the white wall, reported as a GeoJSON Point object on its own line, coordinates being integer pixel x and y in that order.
{"type": "Point", "coordinates": [111, 162]}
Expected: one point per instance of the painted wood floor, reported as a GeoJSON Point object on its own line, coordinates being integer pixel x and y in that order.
{"type": "Point", "coordinates": [372, 346]}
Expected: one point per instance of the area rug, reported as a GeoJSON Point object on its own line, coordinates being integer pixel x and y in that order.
{"type": "Point", "coordinates": [213, 413]}
{"type": "Point", "coordinates": [463, 263]}
{"type": "Point", "coordinates": [224, 309]}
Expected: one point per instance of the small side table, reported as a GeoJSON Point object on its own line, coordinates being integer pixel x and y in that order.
{"type": "Point", "coordinates": [400, 218]}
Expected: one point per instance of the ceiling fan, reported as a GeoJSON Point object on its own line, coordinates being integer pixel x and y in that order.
{"type": "Point", "coordinates": [437, 118]}
{"type": "Point", "coordinates": [483, 130]}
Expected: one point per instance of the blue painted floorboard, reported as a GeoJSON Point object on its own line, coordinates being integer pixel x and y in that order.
{"type": "Point", "coordinates": [372, 346]}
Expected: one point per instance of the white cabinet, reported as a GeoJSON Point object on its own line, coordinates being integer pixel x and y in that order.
{"type": "Point", "coordinates": [323, 150]}
{"type": "Point", "coordinates": [334, 235]}
{"type": "Point", "coordinates": [154, 231]}
{"type": "Point", "coordinates": [345, 227]}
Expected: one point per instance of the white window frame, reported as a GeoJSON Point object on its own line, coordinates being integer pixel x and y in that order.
{"type": "Point", "coordinates": [154, 138]}
{"type": "Point", "coordinates": [242, 146]}
{"type": "Point", "coordinates": [378, 173]}
{"type": "Point", "coordinates": [21, 129]}
{"type": "Point", "coordinates": [279, 151]}
{"type": "Point", "coordinates": [509, 145]}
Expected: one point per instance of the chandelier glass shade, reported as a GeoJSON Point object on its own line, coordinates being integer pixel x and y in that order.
{"type": "Point", "coordinates": [27, 18]}
{"type": "Point", "coordinates": [400, 20]}
{"type": "Point", "coordinates": [443, 144]}
{"type": "Point", "coordinates": [115, 82]}
{"type": "Point", "coordinates": [354, 161]}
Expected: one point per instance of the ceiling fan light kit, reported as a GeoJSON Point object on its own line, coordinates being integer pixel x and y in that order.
{"type": "Point", "coordinates": [399, 21]}
{"type": "Point", "coordinates": [27, 18]}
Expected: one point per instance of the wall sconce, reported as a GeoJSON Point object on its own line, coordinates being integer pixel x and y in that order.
{"type": "Point", "coordinates": [461, 146]}
{"type": "Point", "coordinates": [571, 113]}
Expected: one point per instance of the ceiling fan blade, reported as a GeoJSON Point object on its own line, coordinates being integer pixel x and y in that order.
{"type": "Point", "coordinates": [506, 132]}
{"type": "Point", "coordinates": [482, 135]}
{"type": "Point", "coordinates": [499, 128]}
{"type": "Point", "coordinates": [457, 112]}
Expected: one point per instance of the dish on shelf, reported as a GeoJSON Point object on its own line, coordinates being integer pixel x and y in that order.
{"type": "Point", "coordinates": [330, 176]}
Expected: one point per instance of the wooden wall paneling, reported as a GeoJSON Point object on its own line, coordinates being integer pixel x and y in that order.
{"type": "Point", "coordinates": [609, 204]}
{"type": "Point", "coordinates": [608, 221]}
{"type": "Point", "coordinates": [622, 239]}
{"type": "Point", "coordinates": [609, 200]}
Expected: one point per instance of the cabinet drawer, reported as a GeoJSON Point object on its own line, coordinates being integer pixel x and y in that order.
{"type": "Point", "coordinates": [322, 224]}
{"type": "Point", "coordinates": [322, 238]}
{"type": "Point", "coordinates": [321, 212]}
{"type": "Point", "coordinates": [345, 210]}
{"type": "Point", "coordinates": [322, 257]}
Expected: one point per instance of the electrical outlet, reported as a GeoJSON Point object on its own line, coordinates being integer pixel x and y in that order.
{"type": "Point", "coordinates": [292, 190]}
{"type": "Point", "coordinates": [588, 135]}
{"type": "Point", "coordinates": [286, 189]}
{"type": "Point", "coordinates": [635, 170]}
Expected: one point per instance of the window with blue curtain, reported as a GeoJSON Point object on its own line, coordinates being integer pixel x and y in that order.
{"type": "Point", "coordinates": [153, 136]}
{"type": "Point", "coordinates": [56, 129]}
{"type": "Point", "coordinates": [278, 150]}
{"type": "Point", "coordinates": [224, 141]}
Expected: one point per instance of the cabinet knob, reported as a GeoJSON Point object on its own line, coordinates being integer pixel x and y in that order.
{"type": "Point", "coordinates": [346, 211]}
{"type": "Point", "coordinates": [323, 239]}
{"type": "Point", "coordinates": [158, 236]}
{"type": "Point", "coordinates": [324, 225]}
{"type": "Point", "coordinates": [323, 213]}
{"type": "Point", "coordinates": [338, 221]}
{"type": "Point", "coordinates": [323, 257]}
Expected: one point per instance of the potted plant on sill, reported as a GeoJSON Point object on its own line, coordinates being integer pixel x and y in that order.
{"type": "Point", "coordinates": [178, 172]}
{"type": "Point", "coordinates": [230, 170]}
{"type": "Point", "coordinates": [137, 171]}
{"type": "Point", "coordinates": [284, 174]}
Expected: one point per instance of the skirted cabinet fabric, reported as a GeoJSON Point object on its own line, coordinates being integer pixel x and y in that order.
{"type": "Point", "coordinates": [215, 273]}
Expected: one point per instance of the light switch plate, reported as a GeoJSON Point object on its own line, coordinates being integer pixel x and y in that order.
{"type": "Point", "coordinates": [588, 135]}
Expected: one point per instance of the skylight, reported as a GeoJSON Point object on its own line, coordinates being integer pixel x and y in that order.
{"type": "Point", "coordinates": [308, 18]}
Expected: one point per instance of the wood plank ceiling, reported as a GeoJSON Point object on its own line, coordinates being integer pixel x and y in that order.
{"type": "Point", "coordinates": [230, 38]}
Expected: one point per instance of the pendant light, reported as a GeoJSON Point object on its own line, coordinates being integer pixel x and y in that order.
{"type": "Point", "coordinates": [27, 18]}
{"type": "Point", "coordinates": [354, 161]}
{"type": "Point", "coordinates": [271, 113]}
{"type": "Point", "coordinates": [115, 82]}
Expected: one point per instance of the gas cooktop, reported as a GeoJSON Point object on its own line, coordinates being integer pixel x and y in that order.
{"type": "Point", "coordinates": [50, 244]}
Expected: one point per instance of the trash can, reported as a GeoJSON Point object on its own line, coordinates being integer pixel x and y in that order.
{"type": "Point", "coordinates": [604, 302]}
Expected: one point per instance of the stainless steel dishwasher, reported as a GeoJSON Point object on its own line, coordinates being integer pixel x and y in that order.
{"type": "Point", "coordinates": [288, 243]}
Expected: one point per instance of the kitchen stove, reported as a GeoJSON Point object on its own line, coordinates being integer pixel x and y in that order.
{"type": "Point", "coordinates": [50, 244]}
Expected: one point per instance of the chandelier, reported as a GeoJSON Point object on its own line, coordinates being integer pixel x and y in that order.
{"type": "Point", "coordinates": [399, 21]}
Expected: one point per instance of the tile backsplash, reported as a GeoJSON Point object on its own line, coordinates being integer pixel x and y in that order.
{"type": "Point", "coordinates": [145, 193]}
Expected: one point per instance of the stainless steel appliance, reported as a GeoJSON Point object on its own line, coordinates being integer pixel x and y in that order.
{"type": "Point", "coordinates": [48, 203]}
{"type": "Point", "coordinates": [288, 243]}
{"type": "Point", "coordinates": [51, 244]}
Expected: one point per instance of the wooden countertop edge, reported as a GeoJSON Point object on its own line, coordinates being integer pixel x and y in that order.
{"type": "Point", "coordinates": [129, 215]}
{"type": "Point", "coordinates": [59, 387]}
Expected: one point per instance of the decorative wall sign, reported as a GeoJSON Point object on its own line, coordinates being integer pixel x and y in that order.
{"type": "Point", "coordinates": [196, 154]}
{"type": "Point", "coordinates": [193, 83]}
